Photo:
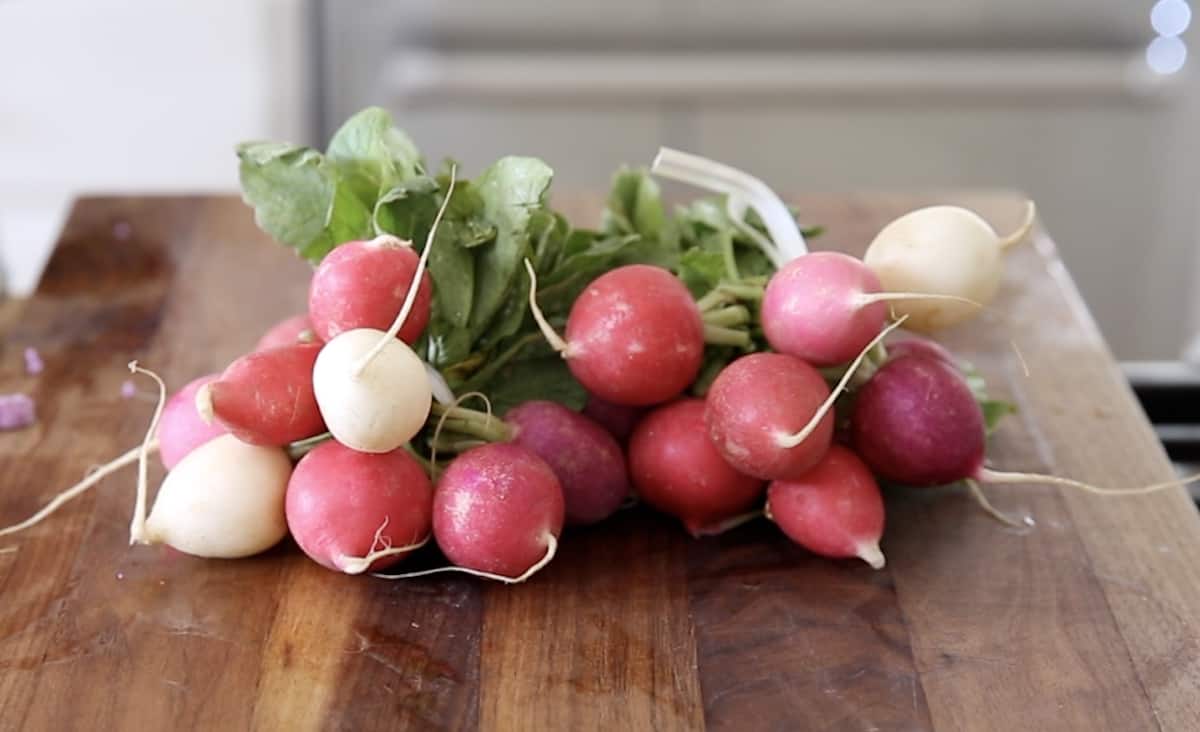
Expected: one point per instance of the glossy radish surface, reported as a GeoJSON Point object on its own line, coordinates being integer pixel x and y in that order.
{"type": "Point", "coordinates": [287, 332]}
{"type": "Point", "coordinates": [182, 429]}
{"type": "Point", "coordinates": [618, 419]}
{"type": "Point", "coordinates": [266, 397]}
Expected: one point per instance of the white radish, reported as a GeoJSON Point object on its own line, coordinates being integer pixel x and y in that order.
{"type": "Point", "coordinates": [372, 389]}
{"type": "Point", "coordinates": [942, 250]}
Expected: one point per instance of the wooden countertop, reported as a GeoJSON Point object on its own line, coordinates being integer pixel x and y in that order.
{"type": "Point", "coordinates": [1089, 621]}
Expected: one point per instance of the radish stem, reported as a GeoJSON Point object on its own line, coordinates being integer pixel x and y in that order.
{"type": "Point", "coordinates": [729, 316]}
{"type": "Point", "coordinates": [410, 298]}
{"type": "Point", "coordinates": [1022, 230]}
{"type": "Point", "coordinates": [742, 291]}
{"type": "Point", "coordinates": [793, 440]}
{"type": "Point", "coordinates": [719, 336]}
{"type": "Point", "coordinates": [711, 175]}
{"type": "Point", "coordinates": [551, 549]}
{"type": "Point", "coordinates": [713, 298]}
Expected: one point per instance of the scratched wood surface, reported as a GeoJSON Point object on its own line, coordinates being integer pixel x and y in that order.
{"type": "Point", "coordinates": [1089, 621]}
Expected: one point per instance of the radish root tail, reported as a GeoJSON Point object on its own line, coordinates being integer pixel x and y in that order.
{"type": "Point", "coordinates": [981, 498]}
{"type": "Point", "coordinates": [727, 525]}
{"type": "Point", "coordinates": [869, 552]}
{"type": "Point", "coordinates": [551, 550]}
{"type": "Point", "coordinates": [1023, 230]}
{"type": "Point", "coordinates": [986, 475]}
{"type": "Point", "coordinates": [410, 298]}
{"type": "Point", "coordinates": [92, 478]}
{"type": "Point", "coordinates": [381, 547]}
{"type": "Point", "coordinates": [137, 527]}
{"type": "Point", "coordinates": [790, 441]}
{"type": "Point", "coordinates": [552, 337]}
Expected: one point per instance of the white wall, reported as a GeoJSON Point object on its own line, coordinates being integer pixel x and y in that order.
{"type": "Point", "coordinates": [134, 96]}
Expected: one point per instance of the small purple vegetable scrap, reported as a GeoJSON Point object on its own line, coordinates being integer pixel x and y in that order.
{"type": "Point", "coordinates": [33, 361]}
{"type": "Point", "coordinates": [16, 411]}
{"type": "Point", "coordinates": [128, 389]}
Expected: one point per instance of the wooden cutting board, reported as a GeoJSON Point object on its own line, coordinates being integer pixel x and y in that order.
{"type": "Point", "coordinates": [1089, 621]}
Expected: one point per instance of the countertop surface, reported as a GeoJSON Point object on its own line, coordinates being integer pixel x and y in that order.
{"type": "Point", "coordinates": [1087, 621]}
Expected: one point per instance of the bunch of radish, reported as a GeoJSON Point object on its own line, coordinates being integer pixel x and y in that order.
{"type": "Point", "coordinates": [330, 430]}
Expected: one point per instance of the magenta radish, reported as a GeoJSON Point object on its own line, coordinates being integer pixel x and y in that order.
{"type": "Point", "coordinates": [634, 336]}
{"type": "Point", "coordinates": [677, 470]}
{"type": "Point", "coordinates": [498, 509]}
{"type": "Point", "coordinates": [266, 397]}
{"type": "Point", "coordinates": [353, 512]}
{"type": "Point", "coordinates": [618, 419]}
{"type": "Point", "coordinates": [287, 332]}
{"type": "Point", "coordinates": [182, 429]}
{"type": "Point", "coordinates": [918, 346]}
{"type": "Point", "coordinates": [362, 284]}
{"type": "Point", "coordinates": [835, 509]}
{"type": "Point", "coordinates": [757, 403]}
{"type": "Point", "coordinates": [373, 391]}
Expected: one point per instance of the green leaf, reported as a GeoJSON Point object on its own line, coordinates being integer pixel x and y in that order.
{"type": "Point", "coordinates": [701, 270]}
{"type": "Point", "coordinates": [995, 410]}
{"type": "Point", "coordinates": [372, 156]}
{"type": "Point", "coordinates": [635, 205]}
{"type": "Point", "coordinates": [510, 190]}
{"type": "Point", "coordinates": [543, 378]}
{"type": "Point", "coordinates": [299, 199]}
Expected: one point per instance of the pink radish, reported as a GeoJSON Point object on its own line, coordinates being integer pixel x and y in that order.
{"type": "Point", "coordinates": [362, 284]}
{"type": "Point", "coordinates": [677, 470]}
{"type": "Point", "coordinates": [618, 419]}
{"type": "Point", "coordinates": [266, 397]}
{"type": "Point", "coordinates": [634, 336]}
{"type": "Point", "coordinates": [756, 403]}
{"type": "Point", "coordinates": [835, 509]}
{"type": "Point", "coordinates": [289, 331]}
{"type": "Point", "coordinates": [918, 346]}
{"type": "Point", "coordinates": [825, 307]}
{"type": "Point", "coordinates": [352, 511]}
{"type": "Point", "coordinates": [182, 429]}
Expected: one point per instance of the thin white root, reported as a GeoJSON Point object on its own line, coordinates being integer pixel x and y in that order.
{"type": "Point", "coordinates": [1023, 230]}
{"type": "Point", "coordinates": [137, 527]}
{"type": "Point", "coordinates": [790, 441]}
{"type": "Point", "coordinates": [411, 297]}
{"type": "Point", "coordinates": [728, 524]}
{"type": "Point", "coordinates": [870, 553]}
{"type": "Point", "coordinates": [204, 403]}
{"type": "Point", "coordinates": [991, 476]}
{"type": "Point", "coordinates": [552, 337]}
{"type": "Point", "coordinates": [358, 565]}
{"type": "Point", "coordinates": [711, 175]}
{"type": "Point", "coordinates": [982, 499]}
{"type": "Point", "coordinates": [93, 477]}
{"type": "Point", "coordinates": [867, 298]}
{"type": "Point", "coordinates": [551, 549]}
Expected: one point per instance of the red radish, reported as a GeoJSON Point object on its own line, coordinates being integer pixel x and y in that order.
{"type": "Point", "coordinates": [634, 335]}
{"type": "Point", "coordinates": [834, 510]}
{"type": "Point", "coordinates": [618, 419]}
{"type": "Point", "coordinates": [352, 511]}
{"type": "Point", "coordinates": [757, 403]}
{"type": "Point", "coordinates": [182, 429]}
{"type": "Point", "coordinates": [362, 284]}
{"type": "Point", "coordinates": [586, 459]}
{"type": "Point", "coordinates": [266, 397]}
{"type": "Point", "coordinates": [918, 346]}
{"type": "Point", "coordinates": [498, 509]}
{"type": "Point", "coordinates": [823, 307]}
{"type": "Point", "coordinates": [296, 329]}
{"type": "Point", "coordinates": [677, 470]}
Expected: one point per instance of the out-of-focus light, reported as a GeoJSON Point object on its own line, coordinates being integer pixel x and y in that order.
{"type": "Point", "coordinates": [1170, 17]}
{"type": "Point", "coordinates": [1166, 55]}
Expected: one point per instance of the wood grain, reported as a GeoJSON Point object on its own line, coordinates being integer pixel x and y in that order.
{"type": "Point", "coordinates": [1088, 621]}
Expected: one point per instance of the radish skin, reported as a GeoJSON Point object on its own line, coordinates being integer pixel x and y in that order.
{"type": "Point", "coordinates": [677, 470]}
{"type": "Point", "coordinates": [266, 397]}
{"type": "Point", "coordinates": [835, 509]}
{"type": "Point", "coordinates": [182, 429]}
{"type": "Point", "coordinates": [287, 332]}
{"type": "Point", "coordinates": [618, 419]}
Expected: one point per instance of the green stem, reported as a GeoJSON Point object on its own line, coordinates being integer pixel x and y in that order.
{"type": "Point", "coordinates": [714, 298]}
{"type": "Point", "coordinates": [731, 268]}
{"type": "Point", "coordinates": [726, 317]}
{"type": "Point", "coordinates": [718, 336]}
{"type": "Point", "coordinates": [455, 446]}
{"type": "Point", "coordinates": [485, 374]}
{"type": "Point", "coordinates": [300, 448]}
{"type": "Point", "coordinates": [743, 291]}
{"type": "Point", "coordinates": [493, 431]}
{"type": "Point", "coordinates": [430, 469]}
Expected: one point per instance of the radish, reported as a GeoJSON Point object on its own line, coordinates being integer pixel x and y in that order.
{"type": "Point", "coordinates": [917, 346]}
{"type": "Point", "coordinates": [182, 429]}
{"type": "Point", "coordinates": [497, 513]}
{"type": "Point", "coordinates": [618, 419]}
{"type": "Point", "coordinates": [825, 307]}
{"type": "Point", "coordinates": [585, 458]}
{"type": "Point", "coordinates": [835, 509]}
{"type": "Point", "coordinates": [677, 470]}
{"type": "Point", "coordinates": [372, 389]}
{"type": "Point", "coordinates": [296, 329]}
{"type": "Point", "coordinates": [352, 511]}
{"type": "Point", "coordinates": [363, 284]}
{"type": "Point", "coordinates": [266, 397]}
{"type": "Point", "coordinates": [634, 335]}
{"type": "Point", "coordinates": [943, 250]}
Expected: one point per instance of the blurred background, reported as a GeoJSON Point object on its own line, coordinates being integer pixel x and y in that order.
{"type": "Point", "coordinates": [1086, 105]}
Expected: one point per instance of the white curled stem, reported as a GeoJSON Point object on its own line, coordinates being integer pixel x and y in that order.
{"type": "Point", "coordinates": [137, 527]}
{"type": "Point", "coordinates": [551, 549]}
